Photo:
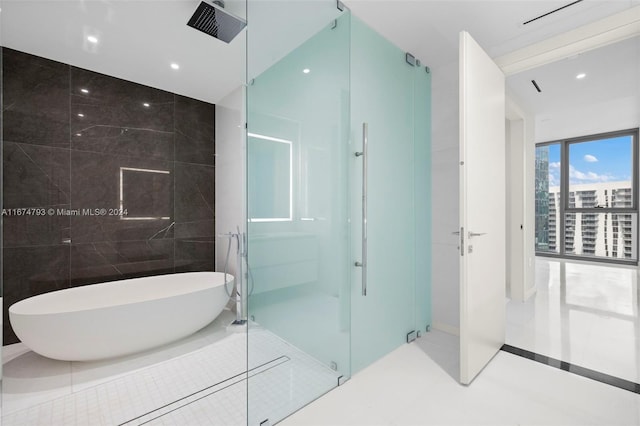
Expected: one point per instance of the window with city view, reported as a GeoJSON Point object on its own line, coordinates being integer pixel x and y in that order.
{"type": "Point", "coordinates": [598, 216]}
{"type": "Point", "coordinates": [547, 197]}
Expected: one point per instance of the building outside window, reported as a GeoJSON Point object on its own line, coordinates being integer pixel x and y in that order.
{"type": "Point", "coordinates": [598, 217]}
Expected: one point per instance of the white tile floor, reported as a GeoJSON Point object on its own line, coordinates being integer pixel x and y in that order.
{"type": "Point", "coordinates": [583, 313]}
{"type": "Point", "coordinates": [414, 386]}
{"type": "Point", "coordinates": [170, 386]}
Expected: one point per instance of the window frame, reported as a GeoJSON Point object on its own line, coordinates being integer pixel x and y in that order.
{"type": "Point", "coordinates": [563, 204]}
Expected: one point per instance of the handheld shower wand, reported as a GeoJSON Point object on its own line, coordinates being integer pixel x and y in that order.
{"type": "Point", "coordinates": [239, 290]}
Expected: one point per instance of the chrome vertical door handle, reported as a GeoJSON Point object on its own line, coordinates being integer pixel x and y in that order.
{"type": "Point", "coordinates": [363, 154]}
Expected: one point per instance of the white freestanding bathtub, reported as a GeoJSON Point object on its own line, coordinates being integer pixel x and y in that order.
{"type": "Point", "coordinates": [120, 317]}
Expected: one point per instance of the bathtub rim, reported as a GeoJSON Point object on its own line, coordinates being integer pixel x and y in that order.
{"type": "Point", "coordinates": [32, 306]}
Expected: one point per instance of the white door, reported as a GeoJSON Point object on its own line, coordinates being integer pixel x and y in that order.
{"type": "Point", "coordinates": [482, 208]}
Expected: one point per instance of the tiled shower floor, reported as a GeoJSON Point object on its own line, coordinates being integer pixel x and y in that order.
{"type": "Point", "coordinates": [200, 380]}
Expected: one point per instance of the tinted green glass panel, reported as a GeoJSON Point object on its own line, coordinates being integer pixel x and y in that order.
{"type": "Point", "coordinates": [422, 194]}
{"type": "Point", "coordinates": [298, 240]}
{"type": "Point", "coordinates": [392, 98]}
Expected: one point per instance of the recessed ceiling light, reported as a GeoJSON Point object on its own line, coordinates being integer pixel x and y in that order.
{"type": "Point", "coordinates": [306, 70]}
{"type": "Point", "coordinates": [84, 90]}
{"type": "Point", "coordinates": [581, 76]}
{"type": "Point", "coordinates": [175, 66]}
{"type": "Point", "coordinates": [80, 115]}
{"type": "Point", "coordinates": [146, 104]}
{"type": "Point", "coordinates": [92, 39]}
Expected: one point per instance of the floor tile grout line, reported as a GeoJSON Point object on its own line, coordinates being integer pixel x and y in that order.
{"type": "Point", "coordinates": [144, 422]}
{"type": "Point", "coordinates": [240, 380]}
{"type": "Point", "coordinates": [116, 379]}
{"type": "Point", "coordinates": [284, 359]}
{"type": "Point", "coordinates": [271, 346]}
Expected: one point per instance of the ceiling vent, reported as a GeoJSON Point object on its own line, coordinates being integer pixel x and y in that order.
{"type": "Point", "coordinates": [553, 11]}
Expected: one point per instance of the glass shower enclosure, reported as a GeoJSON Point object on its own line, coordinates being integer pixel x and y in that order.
{"type": "Point", "coordinates": [338, 201]}
{"type": "Point", "coordinates": [298, 207]}
{"type": "Point", "coordinates": [331, 248]}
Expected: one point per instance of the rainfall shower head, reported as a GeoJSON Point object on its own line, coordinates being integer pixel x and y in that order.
{"type": "Point", "coordinates": [212, 19]}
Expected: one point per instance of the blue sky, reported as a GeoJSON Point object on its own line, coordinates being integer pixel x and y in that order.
{"type": "Point", "coordinates": [604, 160]}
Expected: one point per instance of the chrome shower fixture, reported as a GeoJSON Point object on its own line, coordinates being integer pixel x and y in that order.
{"type": "Point", "coordinates": [212, 19]}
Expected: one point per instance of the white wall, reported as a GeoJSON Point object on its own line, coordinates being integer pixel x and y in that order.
{"type": "Point", "coordinates": [520, 201]}
{"type": "Point", "coordinates": [444, 148]}
{"type": "Point", "coordinates": [619, 114]}
{"type": "Point", "coordinates": [529, 204]}
{"type": "Point", "coordinates": [230, 174]}
{"type": "Point", "coordinates": [512, 214]}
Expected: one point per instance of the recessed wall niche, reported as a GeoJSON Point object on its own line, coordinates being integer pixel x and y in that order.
{"type": "Point", "coordinates": [86, 146]}
{"type": "Point", "coordinates": [145, 194]}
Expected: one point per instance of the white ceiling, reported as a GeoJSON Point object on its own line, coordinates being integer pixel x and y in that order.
{"type": "Point", "coordinates": [429, 29]}
{"type": "Point", "coordinates": [139, 39]}
{"type": "Point", "coordinates": [612, 72]}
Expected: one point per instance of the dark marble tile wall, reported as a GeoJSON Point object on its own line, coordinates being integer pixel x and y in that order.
{"type": "Point", "coordinates": [75, 139]}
